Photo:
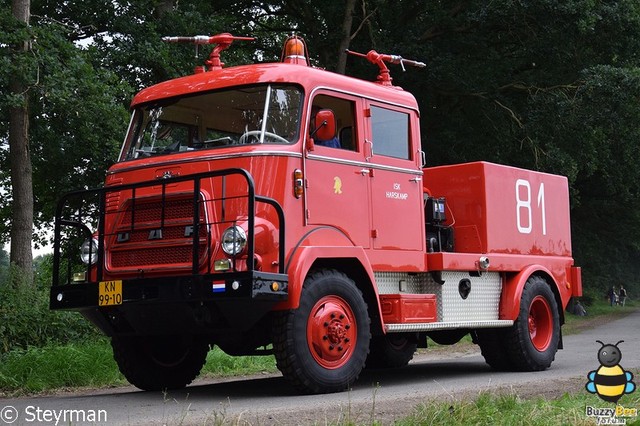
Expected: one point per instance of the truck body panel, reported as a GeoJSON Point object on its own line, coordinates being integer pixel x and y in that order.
{"type": "Point", "coordinates": [501, 209]}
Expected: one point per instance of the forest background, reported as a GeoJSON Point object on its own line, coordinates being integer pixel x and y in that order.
{"type": "Point", "coordinates": [548, 85]}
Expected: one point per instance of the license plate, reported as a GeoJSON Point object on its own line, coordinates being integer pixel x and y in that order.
{"type": "Point", "coordinates": [110, 293]}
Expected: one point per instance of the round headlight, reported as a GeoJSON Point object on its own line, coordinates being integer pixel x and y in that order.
{"type": "Point", "coordinates": [234, 240]}
{"type": "Point", "coordinates": [89, 251]}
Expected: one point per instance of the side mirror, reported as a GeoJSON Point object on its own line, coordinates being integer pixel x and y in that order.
{"type": "Point", "coordinates": [325, 125]}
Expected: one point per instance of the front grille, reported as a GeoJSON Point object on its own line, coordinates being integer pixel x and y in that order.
{"type": "Point", "coordinates": [152, 211]}
{"type": "Point", "coordinates": [153, 256]}
{"type": "Point", "coordinates": [156, 232]}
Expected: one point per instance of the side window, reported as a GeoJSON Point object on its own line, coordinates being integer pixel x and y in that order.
{"type": "Point", "coordinates": [344, 112]}
{"type": "Point", "coordinates": [390, 132]}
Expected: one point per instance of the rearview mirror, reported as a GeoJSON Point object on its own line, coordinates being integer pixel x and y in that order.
{"type": "Point", "coordinates": [325, 125]}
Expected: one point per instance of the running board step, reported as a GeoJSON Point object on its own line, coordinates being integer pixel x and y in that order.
{"type": "Point", "coordinates": [433, 326]}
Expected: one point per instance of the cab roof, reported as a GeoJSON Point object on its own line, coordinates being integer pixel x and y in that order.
{"type": "Point", "coordinates": [309, 78]}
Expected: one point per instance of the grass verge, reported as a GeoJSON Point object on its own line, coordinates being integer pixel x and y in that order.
{"type": "Point", "coordinates": [37, 370]}
{"type": "Point", "coordinates": [512, 409]}
{"type": "Point", "coordinates": [91, 364]}
{"type": "Point", "coordinates": [220, 364]}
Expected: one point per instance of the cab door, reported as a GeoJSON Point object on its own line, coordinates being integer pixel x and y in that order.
{"type": "Point", "coordinates": [337, 179]}
{"type": "Point", "coordinates": [396, 178]}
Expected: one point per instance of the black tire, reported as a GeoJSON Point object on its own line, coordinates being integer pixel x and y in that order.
{"type": "Point", "coordinates": [492, 347]}
{"type": "Point", "coordinates": [392, 350]}
{"type": "Point", "coordinates": [532, 342]}
{"type": "Point", "coordinates": [155, 363]}
{"type": "Point", "coordinates": [322, 346]}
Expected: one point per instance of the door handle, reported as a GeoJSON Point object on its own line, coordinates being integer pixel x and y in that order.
{"type": "Point", "coordinates": [370, 153]}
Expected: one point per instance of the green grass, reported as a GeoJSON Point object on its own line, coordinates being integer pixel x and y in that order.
{"type": "Point", "coordinates": [512, 409]}
{"type": "Point", "coordinates": [35, 370]}
{"type": "Point", "coordinates": [220, 364]}
{"type": "Point", "coordinates": [91, 364]}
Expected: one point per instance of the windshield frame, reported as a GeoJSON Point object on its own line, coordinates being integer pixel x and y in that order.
{"type": "Point", "coordinates": [265, 113]}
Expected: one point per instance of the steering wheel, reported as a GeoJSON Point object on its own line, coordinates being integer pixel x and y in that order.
{"type": "Point", "coordinates": [256, 134]}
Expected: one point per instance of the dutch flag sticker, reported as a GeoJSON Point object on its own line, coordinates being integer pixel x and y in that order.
{"type": "Point", "coordinates": [218, 287]}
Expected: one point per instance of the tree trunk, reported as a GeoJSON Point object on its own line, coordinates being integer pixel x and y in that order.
{"type": "Point", "coordinates": [20, 159]}
{"type": "Point", "coordinates": [346, 36]}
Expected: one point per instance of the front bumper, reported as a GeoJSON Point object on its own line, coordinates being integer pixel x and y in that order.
{"type": "Point", "coordinates": [253, 285]}
{"type": "Point", "coordinates": [201, 303]}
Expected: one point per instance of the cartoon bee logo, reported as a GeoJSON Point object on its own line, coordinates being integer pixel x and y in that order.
{"type": "Point", "coordinates": [610, 381]}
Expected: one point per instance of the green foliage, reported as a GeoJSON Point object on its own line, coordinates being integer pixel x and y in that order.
{"type": "Point", "coordinates": [25, 318]}
{"type": "Point", "coordinates": [133, 48]}
{"type": "Point", "coordinates": [57, 367]}
{"type": "Point", "coordinates": [77, 115]}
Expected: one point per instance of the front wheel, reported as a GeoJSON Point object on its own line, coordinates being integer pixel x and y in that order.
{"type": "Point", "coordinates": [322, 346]}
{"type": "Point", "coordinates": [532, 342]}
{"type": "Point", "coordinates": [160, 362]}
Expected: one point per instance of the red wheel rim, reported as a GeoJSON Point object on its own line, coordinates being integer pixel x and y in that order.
{"type": "Point", "coordinates": [331, 332]}
{"type": "Point", "coordinates": [540, 323]}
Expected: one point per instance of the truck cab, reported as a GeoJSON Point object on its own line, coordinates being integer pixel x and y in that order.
{"type": "Point", "coordinates": [282, 209]}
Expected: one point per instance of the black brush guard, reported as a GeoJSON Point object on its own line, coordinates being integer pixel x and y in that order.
{"type": "Point", "coordinates": [200, 298]}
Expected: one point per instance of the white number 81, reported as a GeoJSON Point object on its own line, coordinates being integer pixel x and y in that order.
{"type": "Point", "coordinates": [523, 205]}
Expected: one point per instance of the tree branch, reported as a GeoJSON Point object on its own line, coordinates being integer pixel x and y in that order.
{"type": "Point", "coordinates": [511, 113]}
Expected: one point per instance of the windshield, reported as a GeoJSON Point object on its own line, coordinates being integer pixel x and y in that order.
{"type": "Point", "coordinates": [245, 115]}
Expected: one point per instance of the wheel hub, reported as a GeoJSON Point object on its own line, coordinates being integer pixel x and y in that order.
{"type": "Point", "coordinates": [540, 323]}
{"type": "Point", "coordinates": [336, 332]}
{"type": "Point", "coordinates": [331, 332]}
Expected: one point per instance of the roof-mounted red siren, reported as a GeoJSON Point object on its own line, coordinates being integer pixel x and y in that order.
{"type": "Point", "coordinates": [295, 51]}
{"type": "Point", "coordinates": [222, 42]}
{"type": "Point", "coordinates": [379, 59]}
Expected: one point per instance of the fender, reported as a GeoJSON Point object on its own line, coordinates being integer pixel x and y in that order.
{"type": "Point", "coordinates": [512, 290]}
{"type": "Point", "coordinates": [303, 258]}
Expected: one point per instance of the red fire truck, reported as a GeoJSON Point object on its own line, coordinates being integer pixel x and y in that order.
{"type": "Point", "coordinates": [278, 208]}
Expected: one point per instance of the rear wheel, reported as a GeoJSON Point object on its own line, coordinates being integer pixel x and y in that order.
{"type": "Point", "coordinates": [160, 362]}
{"type": "Point", "coordinates": [391, 350]}
{"type": "Point", "coordinates": [532, 342]}
{"type": "Point", "coordinates": [492, 347]}
{"type": "Point", "coordinates": [322, 346]}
